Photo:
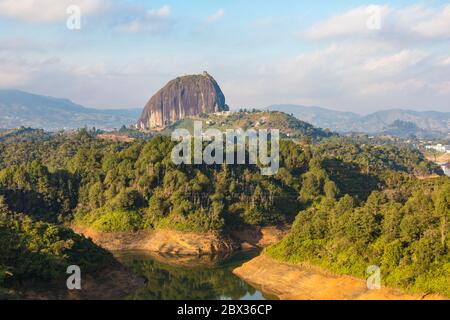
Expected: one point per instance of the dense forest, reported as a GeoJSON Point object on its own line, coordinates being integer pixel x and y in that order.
{"type": "Point", "coordinates": [114, 186]}
{"type": "Point", "coordinates": [409, 240]}
{"type": "Point", "coordinates": [40, 252]}
{"type": "Point", "coordinates": [342, 193]}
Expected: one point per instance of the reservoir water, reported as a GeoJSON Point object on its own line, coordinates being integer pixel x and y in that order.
{"type": "Point", "coordinates": [170, 277]}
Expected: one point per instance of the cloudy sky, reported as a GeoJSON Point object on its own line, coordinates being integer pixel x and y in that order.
{"type": "Point", "coordinates": [345, 55]}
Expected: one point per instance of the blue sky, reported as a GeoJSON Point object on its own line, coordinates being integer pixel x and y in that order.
{"type": "Point", "coordinates": [261, 52]}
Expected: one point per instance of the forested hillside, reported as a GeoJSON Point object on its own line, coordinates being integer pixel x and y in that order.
{"type": "Point", "coordinates": [41, 252]}
{"type": "Point", "coordinates": [128, 186]}
{"type": "Point", "coordinates": [409, 240]}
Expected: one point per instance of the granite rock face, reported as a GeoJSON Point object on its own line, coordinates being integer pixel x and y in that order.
{"type": "Point", "coordinates": [182, 97]}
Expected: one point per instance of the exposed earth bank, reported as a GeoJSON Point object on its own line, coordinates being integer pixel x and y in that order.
{"type": "Point", "coordinates": [185, 243]}
{"type": "Point", "coordinates": [298, 282]}
{"type": "Point", "coordinates": [260, 237]}
{"type": "Point", "coordinates": [162, 241]}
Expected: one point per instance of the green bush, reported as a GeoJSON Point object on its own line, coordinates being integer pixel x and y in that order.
{"type": "Point", "coordinates": [107, 220]}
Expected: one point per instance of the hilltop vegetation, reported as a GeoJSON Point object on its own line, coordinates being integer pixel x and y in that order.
{"type": "Point", "coordinates": [359, 169]}
{"type": "Point", "coordinates": [289, 126]}
{"type": "Point", "coordinates": [23, 134]}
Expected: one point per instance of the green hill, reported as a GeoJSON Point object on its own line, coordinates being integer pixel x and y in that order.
{"type": "Point", "coordinates": [289, 126]}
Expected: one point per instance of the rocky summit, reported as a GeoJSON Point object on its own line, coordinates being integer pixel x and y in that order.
{"type": "Point", "coordinates": [182, 97]}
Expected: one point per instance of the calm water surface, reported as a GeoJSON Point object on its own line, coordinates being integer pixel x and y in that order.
{"type": "Point", "coordinates": [171, 277]}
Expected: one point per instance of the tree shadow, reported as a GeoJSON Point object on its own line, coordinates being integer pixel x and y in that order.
{"type": "Point", "coordinates": [60, 199]}
{"type": "Point", "coordinates": [350, 180]}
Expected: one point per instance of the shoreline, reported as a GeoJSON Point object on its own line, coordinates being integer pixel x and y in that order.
{"type": "Point", "coordinates": [175, 242]}
{"type": "Point", "coordinates": [111, 283]}
{"type": "Point", "coordinates": [160, 241]}
{"type": "Point", "coordinates": [297, 282]}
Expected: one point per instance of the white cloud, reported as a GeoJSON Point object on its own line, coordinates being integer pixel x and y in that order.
{"type": "Point", "coordinates": [17, 72]}
{"type": "Point", "coordinates": [12, 76]}
{"type": "Point", "coordinates": [445, 62]}
{"type": "Point", "coordinates": [350, 75]}
{"type": "Point", "coordinates": [399, 65]}
{"type": "Point", "coordinates": [15, 45]}
{"type": "Point", "coordinates": [352, 67]}
{"type": "Point", "coordinates": [164, 11]}
{"type": "Point", "coordinates": [351, 23]}
{"type": "Point", "coordinates": [413, 22]}
{"type": "Point", "coordinates": [154, 20]}
{"type": "Point", "coordinates": [395, 62]}
{"type": "Point", "coordinates": [131, 27]}
{"type": "Point", "coordinates": [390, 87]}
{"type": "Point", "coordinates": [91, 71]}
{"type": "Point", "coordinates": [444, 88]}
{"type": "Point", "coordinates": [102, 84]}
{"type": "Point", "coordinates": [436, 25]}
{"type": "Point", "coordinates": [48, 10]}
{"type": "Point", "coordinates": [216, 15]}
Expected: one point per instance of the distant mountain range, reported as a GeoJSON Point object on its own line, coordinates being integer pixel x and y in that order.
{"type": "Point", "coordinates": [425, 123]}
{"type": "Point", "coordinates": [23, 109]}
{"type": "Point", "coordinates": [18, 108]}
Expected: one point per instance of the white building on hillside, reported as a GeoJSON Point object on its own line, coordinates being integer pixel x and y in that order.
{"type": "Point", "coordinates": [439, 148]}
{"type": "Point", "coordinates": [446, 168]}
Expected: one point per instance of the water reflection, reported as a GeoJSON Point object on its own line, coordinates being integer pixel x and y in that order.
{"type": "Point", "coordinates": [196, 278]}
